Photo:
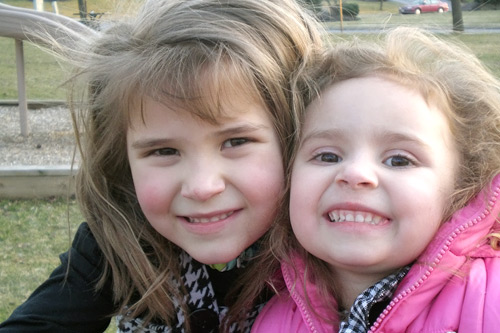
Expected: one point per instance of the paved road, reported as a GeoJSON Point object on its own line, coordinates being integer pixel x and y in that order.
{"type": "Point", "coordinates": [371, 30]}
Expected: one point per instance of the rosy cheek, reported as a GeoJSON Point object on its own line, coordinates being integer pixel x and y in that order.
{"type": "Point", "coordinates": [149, 198]}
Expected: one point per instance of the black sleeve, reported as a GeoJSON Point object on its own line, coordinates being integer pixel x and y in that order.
{"type": "Point", "coordinates": [67, 300]}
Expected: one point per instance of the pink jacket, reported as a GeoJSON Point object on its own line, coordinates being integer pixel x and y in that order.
{"type": "Point", "coordinates": [431, 298]}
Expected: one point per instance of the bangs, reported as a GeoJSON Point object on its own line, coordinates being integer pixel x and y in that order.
{"type": "Point", "coordinates": [202, 84]}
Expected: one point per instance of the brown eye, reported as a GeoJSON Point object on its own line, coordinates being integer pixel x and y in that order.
{"type": "Point", "coordinates": [328, 158]}
{"type": "Point", "coordinates": [166, 152]}
{"type": "Point", "coordinates": [398, 161]}
{"type": "Point", "coordinates": [234, 142]}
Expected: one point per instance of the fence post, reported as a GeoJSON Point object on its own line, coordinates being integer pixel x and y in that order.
{"type": "Point", "coordinates": [55, 8]}
{"type": "Point", "coordinates": [21, 88]}
{"type": "Point", "coordinates": [38, 5]}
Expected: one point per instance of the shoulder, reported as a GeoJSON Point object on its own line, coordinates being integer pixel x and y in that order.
{"type": "Point", "coordinates": [482, 285]}
{"type": "Point", "coordinates": [84, 238]}
{"type": "Point", "coordinates": [476, 297]}
{"type": "Point", "coordinates": [490, 270]}
{"type": "Point", "coordinates": [85, 255]}
{"type": "Point", "coordinates": [449, 299]}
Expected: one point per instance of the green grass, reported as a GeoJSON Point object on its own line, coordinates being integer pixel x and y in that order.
{"type": "Point", "coordinates": [32, 234]}
{"type": "Point", "coordinates": [389, 17]}
{"type": "Point", "coordinates": [484, 46]}
{"type": "Point", "coordinates": [70, 7]}
{"type": "Point", "coordinates": [44, 76]}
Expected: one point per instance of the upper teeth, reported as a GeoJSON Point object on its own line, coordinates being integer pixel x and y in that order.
{"type": "Point", "coordinates": [353, 216]}
{"type": "Point", "coordinates": [206, 219]}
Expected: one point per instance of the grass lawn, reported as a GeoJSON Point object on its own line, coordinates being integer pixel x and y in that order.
{"type": "Point", "coordinates": [70, 7]}
{"type": "Point", "coordinates": [485, 46]}
{"type": "Point", "coordinates": [389, 17]}
{"type": "Point", "coordinates": [32, 235]}
{"type": "Point", "coordinates": [44, 76]}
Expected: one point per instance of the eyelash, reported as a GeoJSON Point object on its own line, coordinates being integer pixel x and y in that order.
{"type": "Point", "coordinates": [319, 157]}
{"type": "Point", "coordinates": [336, 159]}
{"type": "Point", "coordinates": [409, 161]}
{"type": "Point", "coordinates": [158, 152]}
{"type": "Point", "coordinates": [232, 141]}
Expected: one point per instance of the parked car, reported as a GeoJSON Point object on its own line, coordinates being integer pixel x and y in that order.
{"type": "Point", "coordinates": [424, 6]}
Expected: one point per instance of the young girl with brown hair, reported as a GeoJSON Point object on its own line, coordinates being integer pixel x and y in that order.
{"type": "Point", "coordinates": [184, 137]}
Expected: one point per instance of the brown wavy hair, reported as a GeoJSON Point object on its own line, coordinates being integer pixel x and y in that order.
{"type": "Point", "coordinates": [252, 45]}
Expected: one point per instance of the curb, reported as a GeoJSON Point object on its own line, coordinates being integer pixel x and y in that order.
{"type": "Point", "coordinates": [29, 182]}
{"type": "Point", "coordinates": [34, 104]}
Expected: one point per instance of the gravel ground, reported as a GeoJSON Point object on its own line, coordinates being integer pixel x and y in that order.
{"type": "Point", "coordinates": [50, 141]}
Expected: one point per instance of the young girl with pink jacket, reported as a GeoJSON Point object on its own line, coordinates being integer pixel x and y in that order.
{"type": "Point", "coordinates": [394, 197]}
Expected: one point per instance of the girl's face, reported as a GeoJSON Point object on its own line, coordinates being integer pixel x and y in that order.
{"type": "Point", "coordinates": [213, 190]}
{"type": "Point", "coordinates": [372, 177]}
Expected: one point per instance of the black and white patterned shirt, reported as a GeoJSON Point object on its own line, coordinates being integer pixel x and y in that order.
{"type": "Point", "coordinates": [206, 311]}
{"type": "Point", "coordinates": [369, 304]}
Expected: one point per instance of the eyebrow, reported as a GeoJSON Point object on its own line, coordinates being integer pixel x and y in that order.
{"type": "Point", "coordinates": [342, 134]}
{"type": "Point", "coordinates": [240, 128]}
{"type": "Point", "coordinates": [402, 137]}
{"type": "Point", "coordinates": [328, 134]}
{"type": "Point", "coordinates": [151, 142]}
{"type": "Point", "coordinates": [232, 130]}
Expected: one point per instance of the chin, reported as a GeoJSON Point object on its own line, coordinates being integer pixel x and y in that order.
{"type": "Point", "coordinates": [215, 257]}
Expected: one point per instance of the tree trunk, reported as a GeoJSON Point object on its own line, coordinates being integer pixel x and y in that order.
{"type": "Point", "coordinates": [458, 22]}
{"type": "Point", "coordinates": [82, 9]}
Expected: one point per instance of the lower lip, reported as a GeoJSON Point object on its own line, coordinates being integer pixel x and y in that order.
{"type": "Point", "coordinates": [210, 227]}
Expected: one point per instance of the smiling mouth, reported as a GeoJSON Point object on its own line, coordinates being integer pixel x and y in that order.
{"type": "Point", "coordinates": [355, 216]}
{"type": "Point", "coordinates": [209, 219]}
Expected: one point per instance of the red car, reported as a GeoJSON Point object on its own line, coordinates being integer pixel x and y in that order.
{"type": "Point", "coordinates": [424, 6]}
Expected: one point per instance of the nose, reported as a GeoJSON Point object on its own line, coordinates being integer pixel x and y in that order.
{"type": "Point", "coordinates": [203, 181]}
{"type": "Point", "coordinates": [357, 174]}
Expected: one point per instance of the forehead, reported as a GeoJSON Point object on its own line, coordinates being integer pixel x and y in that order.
{"type": "Point", "coordinates": [209, 95]}
{"type": "Point", "coordinates": [374, 89]}
{"type": "Point", "coordinates": [240, 107]}
{"type": "Point", "coordinates": [375, 104]}
{"type": "Point", "coordinates": [207, 110]}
